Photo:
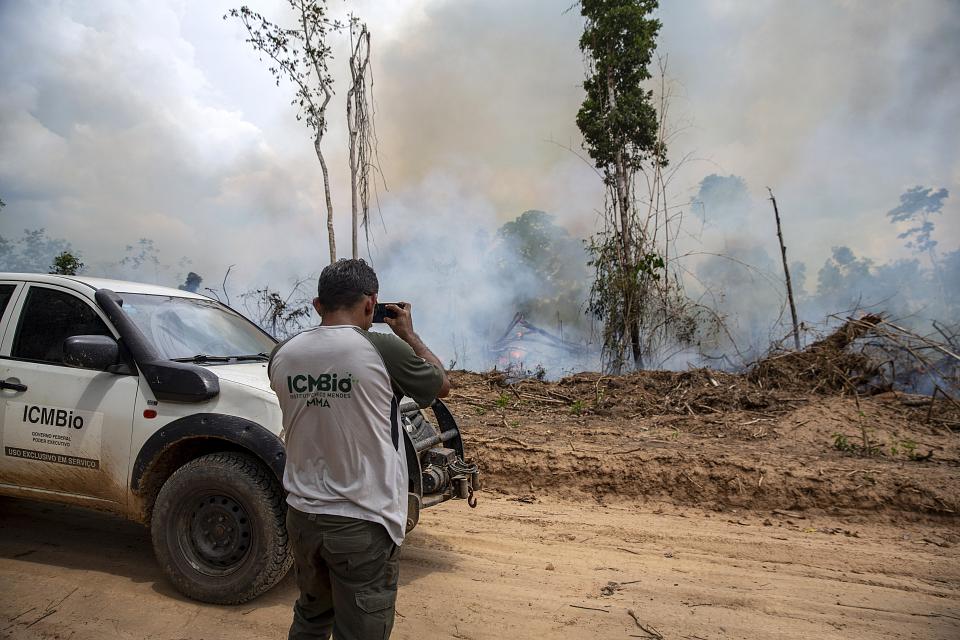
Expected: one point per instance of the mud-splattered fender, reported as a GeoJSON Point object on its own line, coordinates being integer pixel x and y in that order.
{"type": "Point", "coordinates": [234, 429]}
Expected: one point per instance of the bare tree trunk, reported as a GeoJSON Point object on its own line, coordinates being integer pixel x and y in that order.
{"type": "Point", "coordinates": [323, 79]}
{"type": "Point", "coordinates": [620, 186]}
{"type": "Point", "coordinates": [352, 131]}
{"type": "Point", "coordinates": [786, 272]}
{"type": "Point", "coordinates": [359, 128]}
{"type": "Point", "coordinates": [326, 193]}
{"type": "Point", "coordinates": [354, 214]}
{"type": "Point", "coordinates": [631, 330]}
{"type": "Point", "coordinates": [635, 345]}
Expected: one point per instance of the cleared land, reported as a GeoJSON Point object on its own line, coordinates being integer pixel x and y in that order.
{"type": "Point", "coordinates": [715, 440]}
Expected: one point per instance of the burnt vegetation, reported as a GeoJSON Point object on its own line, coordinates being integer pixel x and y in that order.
{"type": "Point", "coordinates": [819, 429]}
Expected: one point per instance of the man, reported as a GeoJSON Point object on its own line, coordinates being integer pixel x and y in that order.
{"type": "Point", "coordinates": [346, 473]}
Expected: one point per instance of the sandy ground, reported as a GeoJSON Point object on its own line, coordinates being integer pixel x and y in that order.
{"type": "Point", "coordinates": [709, 505]}
{"type": "Point", "coordinates": [513, 569]}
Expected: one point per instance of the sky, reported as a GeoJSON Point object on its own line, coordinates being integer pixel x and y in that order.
{"type": "Point", "coordinates": [128, 119]}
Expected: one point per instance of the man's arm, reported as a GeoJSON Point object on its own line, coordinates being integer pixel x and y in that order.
{"type": "Point", "coordinates": [402, 326]}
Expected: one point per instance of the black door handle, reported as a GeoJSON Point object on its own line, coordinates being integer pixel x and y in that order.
{"type": "Point", "coordinates": [13, 386]}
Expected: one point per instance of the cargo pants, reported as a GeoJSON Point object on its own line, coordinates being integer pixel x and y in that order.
{"type": "Point", "coordinates": [347, 571]}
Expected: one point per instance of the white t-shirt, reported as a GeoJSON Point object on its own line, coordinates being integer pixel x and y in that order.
{"type": "Point", "coordinates": [339, 389]}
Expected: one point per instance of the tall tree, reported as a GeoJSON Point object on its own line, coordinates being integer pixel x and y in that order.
{"type": "Point", "coordinates": [621, 133]}
{"type": "Point", "coordinates": [299, 55]}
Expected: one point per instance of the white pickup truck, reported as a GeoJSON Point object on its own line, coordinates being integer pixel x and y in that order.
{"type": "Point", "coordinates": [154, 403]}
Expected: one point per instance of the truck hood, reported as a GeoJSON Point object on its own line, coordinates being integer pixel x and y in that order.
{"type": "Point", "coordinates": [249, 374]}
{"type": "Point", "coordinates": [245, 391]}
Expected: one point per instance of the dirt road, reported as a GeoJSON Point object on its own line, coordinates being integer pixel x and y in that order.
{"type": "Point", "coordinates": [511, 569]}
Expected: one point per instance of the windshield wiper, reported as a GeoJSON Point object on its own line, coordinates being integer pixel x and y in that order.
{"type": "Point", "coordinates": [252, 356]}
{"type": "Point", "coordinates": [202, 357]}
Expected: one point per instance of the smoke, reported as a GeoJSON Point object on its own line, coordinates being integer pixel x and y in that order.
{"type": "Point", "coordinates": [740, 274]}
{"type": "Point", "coordinates": [838, 106]}
{"type": "Point", "coordinates": [123, 121]}
{"type": "Point", "coordinates": [466, 275]}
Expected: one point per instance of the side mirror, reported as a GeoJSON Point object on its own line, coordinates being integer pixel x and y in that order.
{"type": "Point", "coordinates": [91, 352]}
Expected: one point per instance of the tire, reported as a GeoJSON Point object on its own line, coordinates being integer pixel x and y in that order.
{"type": "Point", "coordinates": [218, 529]}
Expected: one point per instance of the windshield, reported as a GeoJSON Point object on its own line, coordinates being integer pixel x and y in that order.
{"type": "Point", "coordinates": [188, 327]}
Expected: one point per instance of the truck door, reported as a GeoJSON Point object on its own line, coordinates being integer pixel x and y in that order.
{"type": "Point", "coordinates": [65, 430]}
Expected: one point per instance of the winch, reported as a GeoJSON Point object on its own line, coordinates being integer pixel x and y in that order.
{"type": "Point", "coordinates": [437, 466]}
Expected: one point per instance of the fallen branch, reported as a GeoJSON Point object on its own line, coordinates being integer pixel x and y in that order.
{"type": "Point", "coordinates": [508, 439]}
{"type": "Point", "coordinates": [651, 631]}
{"type": "Point", "coordinates": [21, 614]}
{"type": "Point", "coordinates": [930, 344]}
{"type": "Point", "coordinates": [45, 615]}
{"type": "Point", "coordinates": [577, 606]}
{"type": "Point", "coordinates": [539, 398]}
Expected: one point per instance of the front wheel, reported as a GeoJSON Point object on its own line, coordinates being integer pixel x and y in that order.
{"type": "Point", "coordinates": [218, 529]}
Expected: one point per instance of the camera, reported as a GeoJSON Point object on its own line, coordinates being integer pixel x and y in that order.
{"type": "Point", "coordinates": [380, 311]}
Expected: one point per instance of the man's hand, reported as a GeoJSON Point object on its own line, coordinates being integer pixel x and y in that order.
{"type": "Point", "coordinates": [402, 326]}
{"type": "Point", "coordinates": [402, 322]}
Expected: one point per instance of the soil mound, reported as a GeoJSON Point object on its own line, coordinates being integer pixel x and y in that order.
{"type": "Point", "coordinates": [777, 437]}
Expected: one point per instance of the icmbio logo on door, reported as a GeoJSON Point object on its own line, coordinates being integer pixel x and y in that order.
{"type": "Point", "coordinates": [61, 435]}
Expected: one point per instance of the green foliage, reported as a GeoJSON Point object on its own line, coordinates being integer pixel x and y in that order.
{"type": "Point", "coordinates": [868, 449]}
{"type": "Point", "coordinates": [502, 401]}
{"type": "Point", "coordinates": [66, 264]}
{"type": "Point", "coordinates": [613, 282]}
{"type": "Point", "coordinates": [841, 443]}
{"type": "Point", "coordinates": [297, 55]}
{"type": "Point", "coordinates": [909, 449]}
{"type": "Point", "coordinates": [644, 299]}
{"type": "Point", "coordinates": [577, 407]}
{"type": "Point", "coordinates": [617, 116]}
